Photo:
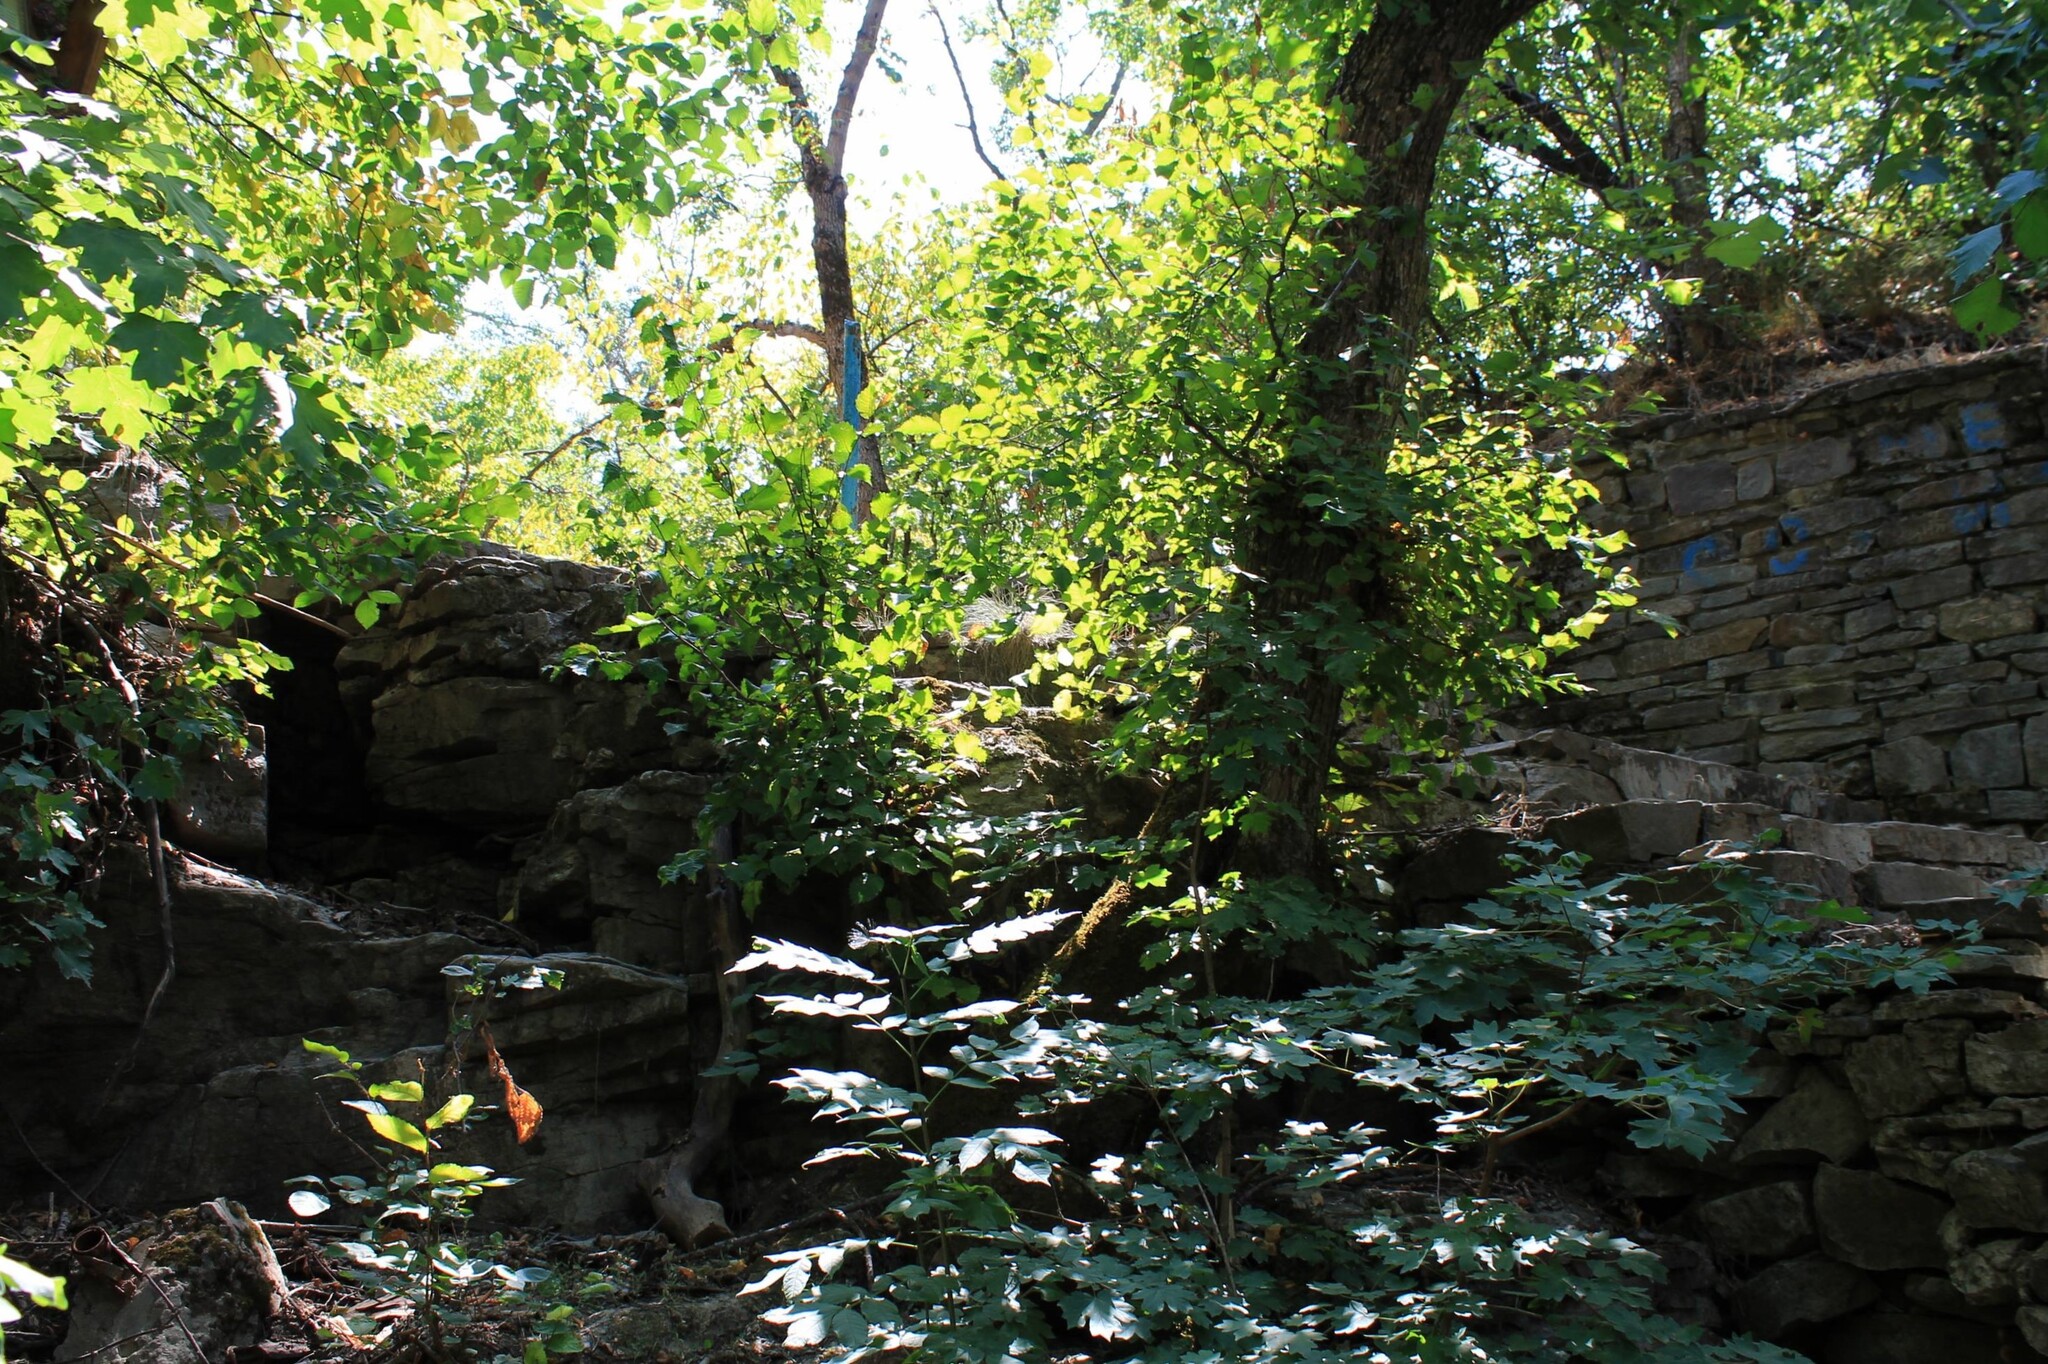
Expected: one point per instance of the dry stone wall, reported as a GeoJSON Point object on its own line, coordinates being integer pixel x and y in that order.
{"type": "Point", "coordinates": [1859, 579]}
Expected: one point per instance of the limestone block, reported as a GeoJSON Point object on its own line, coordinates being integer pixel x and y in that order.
{"type": "Point", "coordinates": [222, 808]}
{"type": "Point", "coordinates": [1992, 616]}
{"type": "Point", "coordinates": [1922, 1148]}
{"type": "Point", "coordinates": [1654, 657]}
{"type": "Point", "coordinates": [1872, 1222]}
{"type": "Point", "coordinates": [1889, 1077]}
{"type": "Point", "coordinates": [1632, 831]}
{"type": "Point", "coordinates": [1818, 1122]}
{"type": "Point", "coordinates": [1990, 1006]}
{"type": "Point", "coordinates": [1753, 479]}
{"type": "Point", "coordinates": [2033, 1324]}
{"type": "Point", "coordinates": [1910, 767]}
{"type": "Point", "coordinates": [1802, 1292]}
{"type": "Point", "coordinates": [1985, 1275]}
{"type": "Point", "coordinates": [2013, 1060]}
{"type": "Point", "coordinates": [1769, 1222]}
{"type": "Point", "coordinates": [1691, 489]}
{"type": "Point", "coordinates": [2034, 746]}
{"type": "Point", "coordinates": [1996, 1190]}
{"type": "Point", "coordinates": [1888, 884]}
{"type": "Point", "coordinates": [2027, 806]}
{"type": "Point", "coordinates": [1815, 461]}
{"type": "Point", "coordinates": [1910, 593]}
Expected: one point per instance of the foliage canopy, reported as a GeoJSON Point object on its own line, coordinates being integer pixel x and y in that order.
{"type": "Point", "coordinates": [1256, 419]}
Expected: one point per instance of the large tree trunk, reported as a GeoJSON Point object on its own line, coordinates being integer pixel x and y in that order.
{"type": "Point", "coordinates": [1397, 90]}
{"type": "Point", "coordinates": [1692, 333]}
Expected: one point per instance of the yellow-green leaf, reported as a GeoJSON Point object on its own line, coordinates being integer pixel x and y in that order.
{"type": "Point", "coordinates": [455, 1110]}
{"type": "Point", "coordinates": [397, 1130]}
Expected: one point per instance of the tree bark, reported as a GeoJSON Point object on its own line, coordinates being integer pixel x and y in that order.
{"type": "Point", "coordinates": [821, 157]}
{"type": "Point", "coordinates": [1693, 334]}
{"type": "Point", "coordinates": [1396, 92]}
{"type": "Point", "coordinates": [82, 49]}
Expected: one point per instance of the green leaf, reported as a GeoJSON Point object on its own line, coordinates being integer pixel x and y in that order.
{"type": "Point", "coordinates": [398, 1131]}
{"type": "Point", "coordinates": [114, 251]}
{"type": "Point", "coordinates": [1974, 254]}
{"type": "Point", "coordinates": [1740, 252]}
{"type": "Point", "coordinates": [23, 275]}
{"type": "Point", "coordinates": [2030, 226]}
{"type": "Point", "coordinates": [257, 320]}
{"type": "Point", "coordinates": [761, 15]}
{"type": "Point", "coordinates": [458, 1174]}
{"type": "Point", "coordinates": [1984, 310]}
{"type": "Point", "coordinates": [398, 1091]}
{"type": "Point", "coordinates": [162, 348]}
{"type": "Point", "coordinates": [455, 1110]}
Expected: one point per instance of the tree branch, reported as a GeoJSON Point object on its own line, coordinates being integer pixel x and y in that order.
{"type": "Point", "coordinates": [973, 128]}
{"type": "Point", "coordinates": [1569, 154]}
{"type": "Point", "coordinates": [864, 44]}
{"type": "Point", "coordinates": [802, 331]}
{"type": "Point", "coordinates": [1108, 100]}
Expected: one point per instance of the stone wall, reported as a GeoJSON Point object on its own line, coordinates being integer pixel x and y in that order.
{"type": "Point", "coordinates": [1859, 578]}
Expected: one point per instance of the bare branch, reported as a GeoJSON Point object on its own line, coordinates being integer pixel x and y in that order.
{"type": "Point", "coordinates": [1569, 154]}
{"type": "Point", "coordinates": [1108, 101]}
{"type": "Point", "coordinates": [973, 128]}
{"type": "Point", "coordinates": [568, 442]}
{"type": "Point", "coordinates": [802, 331]}
{"type": "Point", "coordinates": [864, 44]}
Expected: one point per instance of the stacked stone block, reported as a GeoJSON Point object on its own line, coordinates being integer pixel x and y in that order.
{"type": "Point", "coordinates": [1859, 579]}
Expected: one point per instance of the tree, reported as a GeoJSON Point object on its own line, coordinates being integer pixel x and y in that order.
{"type": "Point", "coordinates": [249, 197]}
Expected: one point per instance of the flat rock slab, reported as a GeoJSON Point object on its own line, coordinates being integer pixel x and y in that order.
{"type": "Point", "coordinates": [1817, 1122]}
{"type": "Point", "coordinates": [1872, 1222]}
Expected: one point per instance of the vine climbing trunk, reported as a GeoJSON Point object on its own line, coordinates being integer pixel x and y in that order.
{"type": "Point", "coordinates": [1319, 537]}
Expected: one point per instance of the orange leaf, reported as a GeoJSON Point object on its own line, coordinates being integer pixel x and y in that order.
{"type": "Point", "coordinates": [521, 1107]}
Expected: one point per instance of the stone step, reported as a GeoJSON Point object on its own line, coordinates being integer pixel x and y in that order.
{"type": "Point", "coordinates": [1561, 768]}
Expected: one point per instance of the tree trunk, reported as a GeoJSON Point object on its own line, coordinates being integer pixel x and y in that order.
{"type": "Point", "coordinates": [1692, 334]}
{"type": "Point", "coordinates": [1313, 576]}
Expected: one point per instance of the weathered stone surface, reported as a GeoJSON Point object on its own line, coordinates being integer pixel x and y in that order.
{"type": "Point", "coordinates": [1695, 488]}
{"type": "Point", "coordinates": [2034, 743]}
{"type": "Point", "coordinates": [1994, 1190]}
{"type": "Point", "coordinates": [1815, 461]}
{"type": "Point", "coordinates": [1937, 1045]}
{"type": "Point", "coordinates": [1985, 1274]}
{"type": "Point", "coordinates": [1657, 656]}
{"type": "Point", "coordinates": [1982, 1004]}
{"type": "Point", "coordinates": [1988, 757]}
{"type": "Point", "coordinates": [2030, 1276]}
{"type": "Point", "coordinates": [1769, 1222]}
{"type": "Point", "coordinates": [1922, 1148]}
{"type": "Point", "coordinates": [1919, 586]}
{"type": "Point", "coordinates": [1988, 617]}
{"type": "Point", "coordinates": [1872, 1222]}
{"type": "Point", "coordinates": [1629, 832]}
{"type": "Point", "coordinates": [222, 808]}
{"type": "Point", "coordinates": [2012, 1060]}
{"type": "Point", "coordinates": [1889, 884]}
{"type": "Point", "coordinates": [1802, 1292]}
{"type": "Point", "coordinates": [1819, 1121]}
{"type": "Point", "coordinates": [2033, 1324]}
{"type": "Point", "coordinates": [209, 1293]}
{"type": "Point", "coordinates": [1890, 1078]}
